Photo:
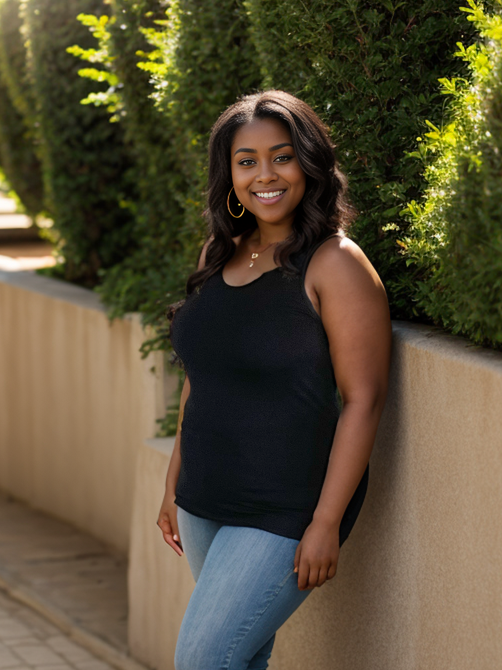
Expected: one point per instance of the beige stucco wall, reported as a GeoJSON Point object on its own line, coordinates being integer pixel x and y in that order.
{"type": "Point", "coordinates": [76, 403]}
{"type": "Point", "coordinates": [160, 581]}
{"type": "Point", "coordinates": [419, 582]}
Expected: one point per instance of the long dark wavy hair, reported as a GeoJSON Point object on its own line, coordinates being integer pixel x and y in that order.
{"type": "Point", "coordinates": [324, 209]}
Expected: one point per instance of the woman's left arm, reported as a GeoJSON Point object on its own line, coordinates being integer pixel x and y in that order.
{"type": "Point", "coordinates": [355, 315]}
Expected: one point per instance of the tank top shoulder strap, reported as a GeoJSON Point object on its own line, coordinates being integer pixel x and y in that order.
{"type": "Point", "coordinates": [307, 255]}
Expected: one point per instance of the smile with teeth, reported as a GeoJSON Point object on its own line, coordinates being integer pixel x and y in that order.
{"type": "Point", "coordinates": [272, 194]}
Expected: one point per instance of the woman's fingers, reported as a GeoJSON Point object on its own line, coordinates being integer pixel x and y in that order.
{"type": "Point", "coordinates": [323, 573]}
{"type": "Point", "coordinates": [303, 575]}
{"type": "Point", "coordinates": [176, 535]}
{"type": "Point", "coordinates": [311, 576]}
{"type": "Point", "coordinates": [172, 543]}
{"type": "Point", "coordinates": [168, 533]}
{"type": "Point", "coordinates": [332, 571]}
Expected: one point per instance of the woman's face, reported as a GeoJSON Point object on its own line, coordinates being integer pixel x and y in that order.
{"type": "Point", "coordinates": [266, 175]}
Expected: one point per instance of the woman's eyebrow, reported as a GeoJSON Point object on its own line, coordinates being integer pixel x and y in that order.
{"type": "Point", "coordinates": [247, 151]}
{"type": "Point", "coordinates": [274, 148]}
{"type": "Point", "coordinates": [279, 146]}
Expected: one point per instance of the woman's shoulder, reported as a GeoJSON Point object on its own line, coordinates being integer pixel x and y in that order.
{"type": "Point", "coordinates": [202, 257]}
{"type": "Point", "coordinates": [339, 259]}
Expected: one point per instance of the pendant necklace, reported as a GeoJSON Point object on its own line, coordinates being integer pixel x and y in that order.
{"type": "Point", "coordinates": [255, 254]}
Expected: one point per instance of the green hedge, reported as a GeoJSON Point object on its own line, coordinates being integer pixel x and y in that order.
{"type": "Point", "coordinates": [86, 163]}
{"type": "Point", "coordinates": [454, 245]}
{"type": "Point", "coordinates": [18, 141]}
{"type": "Point", "coordinates": [138, 280]}
{"type": "Point", "coordinates": [17, 159]}
{"type": "Point", "coordinates": [370, 69]}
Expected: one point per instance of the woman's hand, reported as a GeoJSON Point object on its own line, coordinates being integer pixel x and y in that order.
{"type": "Point", "coordinates": [168, 522]}
{"type": "Point", "coordinates": [316, 556]}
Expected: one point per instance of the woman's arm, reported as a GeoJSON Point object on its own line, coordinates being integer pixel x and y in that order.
{"type": "Point", "coordinates": [355, 315]}
{"type": "Point", "coordinates": [173, 471]}
{"type": "Point", "coordinates": [167, 519]}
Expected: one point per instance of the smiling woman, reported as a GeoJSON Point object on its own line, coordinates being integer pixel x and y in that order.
{"type": "Point", "coordinates": [268, 180]}
{"type": "Point", "coordinates": [283, 317]}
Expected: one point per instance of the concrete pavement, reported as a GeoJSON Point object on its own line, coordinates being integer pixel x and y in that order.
{"type": "Point", "coordinates": [77, 583]}
{"type": "Point", "coordinates": [30, 642]}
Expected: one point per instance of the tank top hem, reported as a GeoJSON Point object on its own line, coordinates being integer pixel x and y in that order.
{"type": "Point", "coordinates": [279, 524]}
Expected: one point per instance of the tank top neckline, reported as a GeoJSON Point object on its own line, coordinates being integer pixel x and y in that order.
{"type": "Point", "coordinates": [279, 267]}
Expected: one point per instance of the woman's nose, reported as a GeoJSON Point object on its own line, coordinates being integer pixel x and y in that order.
{"type": "Point", "coordinates": [267, 173]}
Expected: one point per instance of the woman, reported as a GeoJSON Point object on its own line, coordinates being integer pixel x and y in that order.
{"type": "Point", "coordinates": [285, 337]}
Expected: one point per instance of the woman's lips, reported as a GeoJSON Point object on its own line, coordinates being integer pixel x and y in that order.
{"type": "Point", "coordinates": [270, 201]}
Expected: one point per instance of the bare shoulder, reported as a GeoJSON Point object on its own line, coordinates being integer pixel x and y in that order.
{"type": "Point", "coordinates": [340, 262]}
{"type": "Point", "coordinates": [202, 257]}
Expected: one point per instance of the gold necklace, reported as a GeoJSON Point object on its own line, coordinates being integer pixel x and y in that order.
{"type": "Point", "coordinates": [255, 254]}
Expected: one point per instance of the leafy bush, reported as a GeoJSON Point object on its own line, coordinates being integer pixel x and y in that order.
{"type": "Point", "coordinates": [370, 69]}
{"type": "Point", "coordinates": [141, 279]}
{"type": "Point", "coordinates": [86, 164]}
{"type": "Point", "coordinates": [454, 242]}
{"type": "Point", "coordinates": [17, 137]}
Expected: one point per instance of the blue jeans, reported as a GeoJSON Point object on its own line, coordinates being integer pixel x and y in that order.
{"type": "Point", "coordinates": [245, 590]}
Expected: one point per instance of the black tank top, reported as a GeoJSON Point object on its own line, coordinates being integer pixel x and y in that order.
{"type": "Point", "coordinates": [259, 422]}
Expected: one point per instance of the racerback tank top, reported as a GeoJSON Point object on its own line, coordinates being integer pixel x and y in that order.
{"type": "Point", "coordinates": [259, 422]}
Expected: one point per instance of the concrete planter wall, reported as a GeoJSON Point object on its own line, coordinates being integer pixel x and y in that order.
{"type": "Point", "coordinates": [76, 403]}
{"type": "Point", "coordinates": [419, 580]}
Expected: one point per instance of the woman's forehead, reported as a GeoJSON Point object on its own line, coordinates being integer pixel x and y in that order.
{"type": "Point", "coordinates": [261, 132]}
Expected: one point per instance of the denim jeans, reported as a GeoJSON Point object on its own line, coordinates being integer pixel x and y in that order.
{"type": "Point", "coordinates": [245, 590]}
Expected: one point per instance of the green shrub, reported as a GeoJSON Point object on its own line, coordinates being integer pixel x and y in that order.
{"type": "Point", "coordinates": [454, 243]}
{"type": "Point", "coordinates": [140, 281]}
{"type": "Point", "coordinates": [17, 137]}
{"type": "Point", "coordinates": [370, 69]}
{"type": "Point", "coordinates": [86, 164]}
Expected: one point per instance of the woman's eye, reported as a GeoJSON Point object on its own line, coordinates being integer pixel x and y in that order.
{"type": "Point", "coordinates": [246, 161]}
{"type": "Point", "coordinates": [283, 159]}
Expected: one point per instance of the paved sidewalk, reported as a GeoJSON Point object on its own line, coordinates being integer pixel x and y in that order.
{"type": "Point", "coordinates": [29, 642]}
{"type": "Point", "coordinates": [75, 581]}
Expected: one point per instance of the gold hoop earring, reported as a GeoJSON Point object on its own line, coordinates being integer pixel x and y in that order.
{"type": "Point", "coordinates": [228, 206]}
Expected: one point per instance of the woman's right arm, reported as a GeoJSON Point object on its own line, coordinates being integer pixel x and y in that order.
{"type": "Point", "coordinates": [167, 520]}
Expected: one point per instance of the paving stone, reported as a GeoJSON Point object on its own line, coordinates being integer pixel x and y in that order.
{"type": "Point", "coordinates": [70, 651]}
{"type": "Point", "coordinates": [8, 659]}
{"type": "Point", "coordinates": [73, 572]}
{"type": "Point", "coordinates": [10, 628]}
{"type": "Point", "coordinates": [93, 665]}
{"type": "Point", "coordinates": [30, 643]}
{"type": "Point", "coordinates": [39, 654]}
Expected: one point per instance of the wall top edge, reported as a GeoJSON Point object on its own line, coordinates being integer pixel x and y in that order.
{"type": "Point", "coordinates": [57, 289]}
{"type": "Point", "coordinates": [446, 345]}
{"type": "Point", "coordinates": [164, 445]}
